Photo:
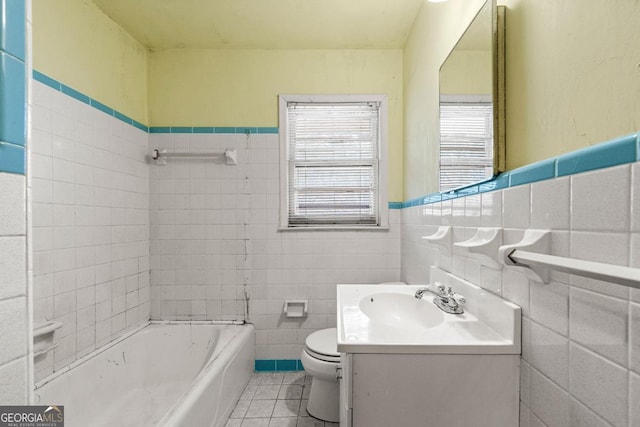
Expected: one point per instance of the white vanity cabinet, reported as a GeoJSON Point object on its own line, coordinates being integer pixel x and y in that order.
{"type": "Point", "coordinates": [430, 390]}
{"type": "Point", "coordinates": [407, 363]}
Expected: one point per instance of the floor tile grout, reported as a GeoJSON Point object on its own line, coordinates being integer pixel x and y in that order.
{"type": "Point", "coordinates": [275, 400]}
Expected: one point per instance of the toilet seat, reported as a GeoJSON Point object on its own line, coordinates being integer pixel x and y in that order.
{"type": "Point", "coordinates": [323, 345]}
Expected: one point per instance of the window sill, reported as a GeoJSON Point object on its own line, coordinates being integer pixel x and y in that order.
{"type": "Point", "coordinates": [336, 228]}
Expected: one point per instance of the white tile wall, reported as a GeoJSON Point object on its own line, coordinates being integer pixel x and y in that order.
{"type": "Point", "coordinates": [90, 225]}
{"type": "Point", "coordinates": [14, 310]}
{"type": "Point", "coordinates": [581, 340]}
{"type": "Point", "coordinates": [214, 235]}
{"type": "Point", "coordinates": [16, 368]}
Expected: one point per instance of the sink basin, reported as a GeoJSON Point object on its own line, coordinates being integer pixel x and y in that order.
{"type": "Point", "coordinates": [401, 310]}
{"type": "Point", "coordinates": [387, 318]}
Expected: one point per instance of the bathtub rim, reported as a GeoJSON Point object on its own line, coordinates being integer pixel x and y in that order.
{"type": "Point", "coordinates": [126, 335]}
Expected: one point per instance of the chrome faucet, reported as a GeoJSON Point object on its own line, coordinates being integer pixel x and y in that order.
{"type": "Point", "coordinates": [420, 292]}
{"type": "Point", "coordinates": [446, 299]}
{"type": "Point", "coordinates": [449, 301]}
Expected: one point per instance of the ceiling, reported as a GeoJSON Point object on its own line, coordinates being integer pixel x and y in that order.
{"type": "Point", "coordinates": [265, 24]}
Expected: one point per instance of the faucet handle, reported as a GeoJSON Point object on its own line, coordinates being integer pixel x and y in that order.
{"type": "Point", "coordinates": [459, 298]}
{"type": "Point", "coordinates": [441, 289]}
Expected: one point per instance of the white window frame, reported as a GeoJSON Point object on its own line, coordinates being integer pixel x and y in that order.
{"type": "Point", "coordinates": [382, 190]}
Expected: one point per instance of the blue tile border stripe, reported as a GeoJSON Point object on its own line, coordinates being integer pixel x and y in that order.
{"type": "Point", "coordinates": [612, 153]}
{"type": "Point", "coordinates": [618, 151]}
{"type": "Point", "coordinates": [46, 80]}
{"type": "Point", "coordinates": [278, 365]}
{"type": "Point", "coordinates": [210, 129]}
{"type": "Point", "coordinates": [534, 172]}
{"type": "Point", "coordinates": [54, 84]}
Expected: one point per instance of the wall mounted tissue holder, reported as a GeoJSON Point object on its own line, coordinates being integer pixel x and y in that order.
{"type": "Point", "coordinates": [296, 308]}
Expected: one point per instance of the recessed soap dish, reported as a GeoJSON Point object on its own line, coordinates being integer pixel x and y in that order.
{"type": "Point", "coordinates": [43, 337]}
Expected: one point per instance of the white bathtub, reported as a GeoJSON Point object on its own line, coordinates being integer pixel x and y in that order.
{"type": "Point", "coordinates": [176, 374]}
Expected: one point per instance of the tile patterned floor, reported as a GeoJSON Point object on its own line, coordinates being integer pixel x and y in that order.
{"type": "Point", "coordinates": [275, 400]}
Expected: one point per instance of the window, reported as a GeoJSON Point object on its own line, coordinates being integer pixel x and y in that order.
{"type": "Point", "coordinates": [466, 142]}
{"type": "Point", "coordinates": [331, 169]}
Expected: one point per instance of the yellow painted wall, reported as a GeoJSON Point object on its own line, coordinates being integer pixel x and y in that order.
{"type": "Point", "coordinates": [572, 79]}
{"type": "Point", "coordinates": [200, 87]}
{"type": "Point", "coordinates": [436, 30]}
{"type": "Point", "coordinates": [573, 75]}
{"type": "Point", "coordinates": [77, 44]}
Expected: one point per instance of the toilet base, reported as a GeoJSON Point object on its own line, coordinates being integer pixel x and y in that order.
{"type": "Point", "coordinates": [323, 402]}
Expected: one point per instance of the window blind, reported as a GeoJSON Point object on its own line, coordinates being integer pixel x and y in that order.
{"type": "Point", "coordinates": [333, 163]}
{"type": "Point", "coordinates": [466, 144]}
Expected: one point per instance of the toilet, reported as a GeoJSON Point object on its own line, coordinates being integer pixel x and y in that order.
{"type": "Point", "coordinates": [321, 359]}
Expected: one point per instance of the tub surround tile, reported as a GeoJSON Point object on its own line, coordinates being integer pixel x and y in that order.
{"type": "Point", "coordinates": [13, 206]}
{"type": "Point", "coordinates": [13, 328]}
{"type": "Point", "coordinates": [12, 266]}
{"type": "Point", "coordinates": [91, 219]}
{"type": "Point", "coordinates": [13, 387]}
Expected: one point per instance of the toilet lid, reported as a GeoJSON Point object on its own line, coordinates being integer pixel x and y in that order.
{"type": "Point", "coordinates": [323, 342]}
